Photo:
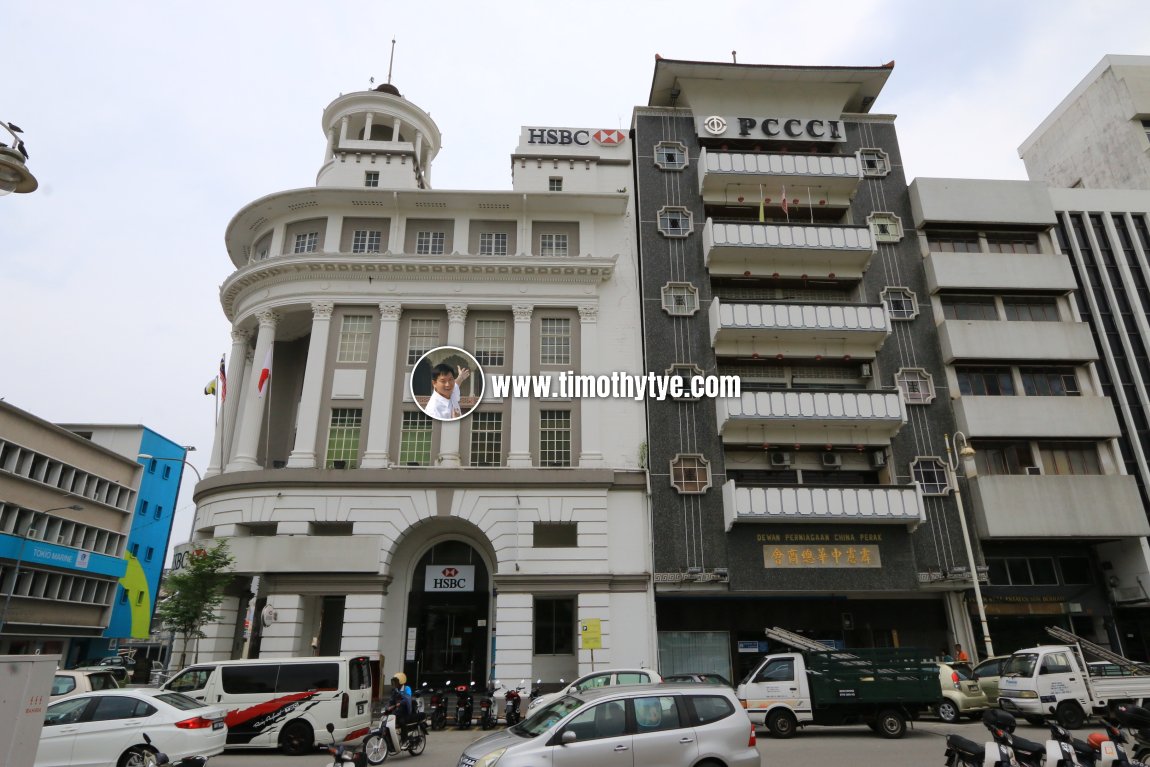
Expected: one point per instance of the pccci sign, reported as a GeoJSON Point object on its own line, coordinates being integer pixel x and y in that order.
{"type": "Point", "coordinates": [457, 578]}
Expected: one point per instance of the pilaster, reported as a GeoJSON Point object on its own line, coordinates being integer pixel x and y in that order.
{"type": "Point", "coordinates": [247, 442]}
{"type": "Point", "coordinates": [519, 454]}
{"type": "Point", "coordinates": [307, 418]}
{"type": "Point", "coordinates": [375, 454]}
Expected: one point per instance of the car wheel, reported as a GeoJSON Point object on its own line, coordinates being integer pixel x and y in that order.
{"type": "Point", "coordinates": [891, 724]}
{"type": "Point", "coordinates": [297, 738]}
{"type": "Point", "coordinates": [1070, 715]}
{"type": "Point", "coordinates": [415, 744]}
{"type": "Point", "coordinates": [136, 756]}
{"type": "Point", "coordinates": [947, 711]}
{"type": "Point", "coordinates": [375, 748]}
{"type": "Point", "coordinates": [782, 724]}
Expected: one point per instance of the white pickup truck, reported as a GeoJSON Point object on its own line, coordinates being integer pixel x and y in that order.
{"type": "Point", "coordinates": [1038, 680]}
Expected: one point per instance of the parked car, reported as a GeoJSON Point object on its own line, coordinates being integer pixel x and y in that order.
{"type": "Point", "coordinates": [117, 664]}
{"type": "Point", "coordinates": [668, 725]}
{"type": "Point", "coordinates": [97, 729]}
{"type": "Point", "coordinates": [69, 683]}
{"type": "Point", "coordinates": [597, 679]}
{"type": "Point", "coordinates": [987, 674]}
{"type": "Point", "coordinates": [961, 694]}
{"type": "Point", "coordinates": [705, 678]}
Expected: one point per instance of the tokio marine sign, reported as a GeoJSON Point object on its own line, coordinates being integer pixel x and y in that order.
{"type": "Point", "coordinates": [458, 578]}
{"type": "Point", "coordinates": [774, 128]}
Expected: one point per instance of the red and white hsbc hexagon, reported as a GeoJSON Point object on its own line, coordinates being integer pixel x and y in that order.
{"type": "Point", "coordinates": [457, 578]}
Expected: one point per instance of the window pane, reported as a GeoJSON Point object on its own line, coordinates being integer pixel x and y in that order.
{"type": "Point", "coordinates": [343, 437]}
{"type": "Point", "coordinates": [1042, 571]}
{"type": "Point", "coordinates": [553, 244]}
{"type": "Point", "coordinates": [365, 240]}
{"type": "Point", "coordinates": [1019, 572]}
{"type": "Point", "coordinates": [554, 626]}
{"type": "Point", "coordinates": [249, 679]}
{"type": "Point", "coordinates": [422, 338]}
{"type": "Point", "coordinates": [555, 341]}
{"type": "Point", "coordinates": [555, 438]}
{"type": "Point", "coordinates": [486, 439]}
{"type": "Point", "coordinates": [490, 341]}
{"type": "Point", "coordinates": [1075, 570]}
{"type": "Point", "coordinates": [301, 677]}
{"type": "Point", "coordinates": [969, 308]}
{"type": "Point", "coordinates": [354, 338]}
{"type": "Point", "coordinates": [655, 712]}
{"type": "Point", "coordinates": [429, 243]}
{"type": "Point", "coordinates": [415, 440]}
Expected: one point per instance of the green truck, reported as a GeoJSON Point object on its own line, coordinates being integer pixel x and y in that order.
{"type": "Point", "coordinates": [881, 688]}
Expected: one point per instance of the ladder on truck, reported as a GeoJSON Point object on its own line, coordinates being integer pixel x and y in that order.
{"type": "Point", "coordinates": [1086, 647]}
{"type": "Point", "coordinates": [799, 642]}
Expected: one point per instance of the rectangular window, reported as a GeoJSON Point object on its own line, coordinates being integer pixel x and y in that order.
{"type": "Point", "coordinates": [167, 472]}
{"type": "Point", "coordinates": [306, 243]}
{"type": "Point", "coordinates": [493, 243]}
{"type": "Point", "coordinates": [555, 438]}
{"type": "Point", "coordinates": [486, 439]}
{"type": "Point", "coordinates": [1075, 570]}
{"type": "Point", "coordinates": [555, 184]}
{"type": "Point", "coordinates": [969, 308]}
{"type": "Point", "coordinates": [952, 243]}
{"type": "Point", "coordinates": [985, 381]}
{"type": "Point", "coordinates": [429, 243]}
{"type": "Point", "coordinates": [1049, 382]}
{"type": "Point", "coordinates": [143, 508]}
{"type": "Point", "coordinates": [555, 535]}
{"type": "Point", "coordinates": [555, 341]}
{"type": "Point", "coordinates": [149, 553]}
{"type": "Point", "coordinates": [1012, 243]}
{"type": "Point", "coordinates": [354, 338]}
{"type": "Point", "coordinates": [343, 438]}
{"type": "Point", "coordinates": [1026, 309]}
{"type": "Point", "coordinates": [422, 338]}
{"type": "Point", "coordinates": [135, 549]}
{"type": "Point", "coordinates": [1069, 458]}
{"type": "Point", "coordinates": [366, 240]}
{"type": "Point", "coordinates": [159, 512]}
{"type": "Point", "coordinates": [490, 341]}
{"type": "Point", "coordinates": [553, 244]}
{"type": "Point", "coordinates": [415, 440]}
{"type": "Point", "coordinates": [371, 178]}
{"type": "Point", "coordinates": [1003, 458]}
{"type": "Point", "coordinates": [554, 622]}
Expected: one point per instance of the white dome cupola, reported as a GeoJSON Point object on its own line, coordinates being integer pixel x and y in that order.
{"type": "Point", "coordinates": [377, 138]}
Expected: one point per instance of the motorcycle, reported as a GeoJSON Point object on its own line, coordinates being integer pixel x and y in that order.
{"type": "Point", "coordinates": [511, 705]}
{"type": "Point", "coordinates": [464, 707]}
{"type": "Point", "coordinates": [388, 740]}
{"type": "Point", "coordinates": [1138, 720]}
{"type": "Point", "coordinates": [488, 713]}
{"type": "Point", "coordinates": [153, 758]}
{"type": "Point", "coordinates": [1005, 748]}
{"type": "Point", "coordinates": [439, 708]}
{"type": "Point", "coordinates": [343, 755]}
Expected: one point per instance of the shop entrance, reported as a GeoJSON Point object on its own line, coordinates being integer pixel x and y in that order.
{"type": "Point", "coordinates": [447, 618]}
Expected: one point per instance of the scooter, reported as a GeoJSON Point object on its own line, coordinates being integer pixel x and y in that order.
{"type": "Point", "coordinates": [464, 708]}
{"type": "Point", "coordinates": [343, 755]}
{"type": "Point", "coordinates": [155, 758]}
{"type": "Point", "coordinates": [511, 705]}
{"type": "Point", "coordinates": [439, 707]}
{"type": "Point", "coordinates": [488, 714]}
{"type": "Point", "coordinates": [388, 740]}
{"type": "Point", "coordinates": [1005, 748]}
{"type": "Point", "coordinates": [1137, 719]}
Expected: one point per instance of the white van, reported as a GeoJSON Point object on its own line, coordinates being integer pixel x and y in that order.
{"type": "Point", "coordinates": [284, 702]}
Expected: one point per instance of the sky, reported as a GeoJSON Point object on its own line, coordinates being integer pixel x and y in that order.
{"type": "Point", "coordinates": [150, 124]}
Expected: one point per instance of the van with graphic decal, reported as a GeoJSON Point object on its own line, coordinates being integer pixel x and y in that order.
{"type": "Point", "coordinates": [284, 703]}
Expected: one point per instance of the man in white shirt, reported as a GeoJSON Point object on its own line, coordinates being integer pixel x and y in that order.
{"type": "Point", "coordinates": [444, 402]}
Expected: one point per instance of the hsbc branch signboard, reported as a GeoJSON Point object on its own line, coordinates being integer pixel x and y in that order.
{"type": "Point", "coordinates": [457, 578]}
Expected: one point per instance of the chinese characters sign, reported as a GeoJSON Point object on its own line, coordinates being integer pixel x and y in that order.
{"type": "Point", "coordinates": [828, 555]}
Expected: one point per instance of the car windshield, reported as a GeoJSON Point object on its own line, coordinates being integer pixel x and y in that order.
{"type": "Point", "coordinates": [963, 671]}
{"type": "Point", "coordinates": [546, 717]}
{"type": "Point", "coordinates": [182, 702]}
{"type": "Point", "coordinates": [1020, 664]}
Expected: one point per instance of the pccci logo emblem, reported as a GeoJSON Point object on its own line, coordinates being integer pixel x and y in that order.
{"type": "Point", "coordinates": [715, 125]}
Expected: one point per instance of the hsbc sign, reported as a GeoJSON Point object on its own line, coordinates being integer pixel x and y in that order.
{"type": "Point", "coordinates": [579, 136]}
{"type": "Point", "coordinates": [458, 578]}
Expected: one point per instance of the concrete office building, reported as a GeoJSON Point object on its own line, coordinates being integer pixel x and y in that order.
{"type": "Point", "coordinates": [1051, 493]}
{"type": "Point", "coordinates": [776, 244]}
{"type": "Point", "coordinates": [349, 503]}
{"type": "Point", "coordinates": [66, 510]}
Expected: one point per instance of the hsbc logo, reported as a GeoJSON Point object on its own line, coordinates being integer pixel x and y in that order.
{"type": "Point", "coordinates": [456, 578]}
{"type": "Point", "coordinates": [577, 136]}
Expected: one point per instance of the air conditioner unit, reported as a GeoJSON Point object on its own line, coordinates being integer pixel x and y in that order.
{"type": "Point", "coordinates": [878, 458]}
{"type": "Point", "coordinates": [780, 459]}
{"type": "Point", "coordinates": [1034, 471]}
{"type": "Point", "coordinates": [865, 370]}
{"type": "Point", "coordinates": [832, 460]}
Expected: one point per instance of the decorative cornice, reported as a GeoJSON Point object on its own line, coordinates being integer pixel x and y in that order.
{"type": "Point", "coordinates": [457, 312]}
{"type": "Point", "coordinates": [522, 312]}
{"type": "Point", "coordinates": [588, 270]}
{"type": "Point", "coordinates": [321, 310]}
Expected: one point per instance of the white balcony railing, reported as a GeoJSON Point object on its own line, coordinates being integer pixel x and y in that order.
{"type": "Point", "coordinates": [790, 250]}
{"type": "Point", "coordinates": [798, 503]}
{"type": "Point", "coordinates": [799, 329]}
{"type": "Point", "coordinates": [830, 175]}
{"type": "Point", "coordinates": [836, 417]}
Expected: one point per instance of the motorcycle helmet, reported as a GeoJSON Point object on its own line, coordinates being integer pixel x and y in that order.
{"type": "Point", "coordinates": [399, 679]}
{"type": "Point", "coordinates": [1096, 739]}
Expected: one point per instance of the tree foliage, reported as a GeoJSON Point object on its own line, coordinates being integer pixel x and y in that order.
{"type": "Point", "coordinates": [193, 593]}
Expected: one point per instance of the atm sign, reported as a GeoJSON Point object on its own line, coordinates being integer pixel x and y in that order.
{"type": "Point", "coordinates": [458, 578]}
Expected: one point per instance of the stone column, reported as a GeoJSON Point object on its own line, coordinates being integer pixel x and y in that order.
{"type": "Point", "coordinates": [589, 408]}
{"type": "Point", "coordinates": [363, 625]}
{"type": "Point", "coordinates": [519, 454]}
{"type": "Point", "coordinates": [375, 453]}
{"type": "Point", "coordinates": [343, 131]}
{"type": "Point", "coordinates": [247, 440]}
{"type": "Point", "coordinates": [307, 417]}
{"type": "Point", "coordinates": [449, 432]}
{"type": "Point", "coordinates": [367, 126]}
{"type": "Point", "coordinates": [226, 423]}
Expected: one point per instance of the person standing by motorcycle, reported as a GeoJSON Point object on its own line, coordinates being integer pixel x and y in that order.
{"type": "Point", "coordinates": [401, 704]}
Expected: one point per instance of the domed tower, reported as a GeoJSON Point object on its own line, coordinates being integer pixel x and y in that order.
{"type": "Point", "coordinates": [378, 138]}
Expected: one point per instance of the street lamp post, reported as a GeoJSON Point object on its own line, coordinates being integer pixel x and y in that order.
{"type": "Point", "coordinates": [14, 174]}
{"type": "Point", "coordinates": [20, 558]}
{"type": "Point", "coordinates": [966, 453]}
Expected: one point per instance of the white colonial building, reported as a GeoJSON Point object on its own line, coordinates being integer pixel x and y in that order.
{"type": "Point", "coordinates": [465, 549]}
